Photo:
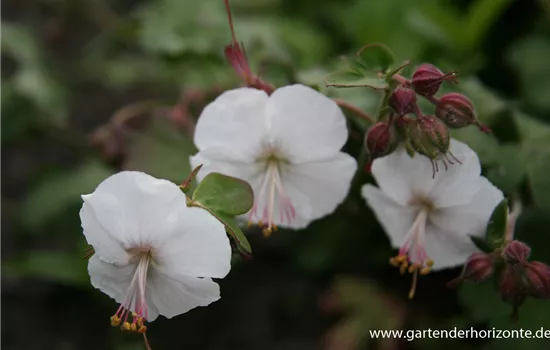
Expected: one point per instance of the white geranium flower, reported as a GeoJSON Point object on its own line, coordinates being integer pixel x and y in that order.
{"type": "Point", "coordinates": [286, 145]}
{"type": "Point", "coordinates": [153, 254]}
{"type": "Point", "coordinates": [430, 219]}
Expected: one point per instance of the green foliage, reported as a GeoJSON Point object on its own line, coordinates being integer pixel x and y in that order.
{"type": "Point", "coordinates": [496, 228]}
{"type": "Point", "coordinates": [52, 195]}
{"type": "Point", "coordinates": [225, 194]}
{"type": "Point", "coordinates": [160, 150]}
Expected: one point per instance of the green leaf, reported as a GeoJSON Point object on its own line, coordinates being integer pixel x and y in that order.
{"type": "Point", "coordinates": [481, 244]}
{"type": "Point", "coordinates": [375, 57]}
{"type": "Point", "coordinates": [538, 170]}
{"type": "Point", "coordinates": [496, 228]}
{"type": "Point", "coordinates": [160, 150]}
{"type": "Point", "coordinates": [225, 194]}
{"type": "Point", "coordinates": [509, 167]}
{"type": "Point", "coordinates": [352, 79]}
{"type": "Point", "coordinates": [233, 230]}
{"type": "Point", "coordinates": [483, 13]}
{"type": "Point", "coordinates": [60, 267]}
{"type": "Point", "coordinates": [57, 192]}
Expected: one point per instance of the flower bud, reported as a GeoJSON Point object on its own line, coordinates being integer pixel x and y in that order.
{"type": "Point", "coordinates": [479, 267]}
{"type": "Point", "coordinates": [380, 140]}
{"type": "Point", "coordinates": [403, 100]}
{"type": "Point", "coordinates": [427, 79]}
{"type": "Point", "coordinates": [516, 252]}
{"type": "Point", "coordinates": [456, 110]}
{"type": "Point", "coordinates": [538, 277]}
{"type": "Point", "coordinates": [511, 287]}
{"type": "Point", "coordinates": [429, 136]}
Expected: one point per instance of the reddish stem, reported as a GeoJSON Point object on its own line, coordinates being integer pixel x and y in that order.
{"type": "Point", "coordinates": [356, 110]}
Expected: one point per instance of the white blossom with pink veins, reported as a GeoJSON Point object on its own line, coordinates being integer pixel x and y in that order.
{"type": "Point", "coordinates": [153, 254]}
{"type": "Point", "coordinates": [286, 146]}
{"type": "Point", "coordinates": [430, 219]}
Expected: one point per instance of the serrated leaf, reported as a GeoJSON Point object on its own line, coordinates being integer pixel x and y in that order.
{"type": "Point", "coordinates": [58, 191]}
{"type": "Point", "coordinates": [375, 57]}
{"type": "Point", "coordinates": [226, 194]}
{"type": "Point", "coordinates": [60, 267]}
{"type": "Point", "coordinates": [496, 228]}
{"type": "Point", "coordinates": [352, 79]}
{"type": "Point", "coordinates": [160, 150]}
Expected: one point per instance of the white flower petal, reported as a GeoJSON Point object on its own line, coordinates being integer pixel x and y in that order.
{"type": "Point", "coordinates": [470, 218]}
{"type": "Point", "coordinates": [306, 125]}
{"type": "Point", "coordinates": [446, 248]}
{"type": "Point", "coordinates": [236, 121]}
{"type": "Point", "coordinates": [194, 243]}
{"type": "Point", "coordinates": [174, 293]}
{"type": "Point", "coordinates": [315, 189]}
{"type": "Point", "coordinates": [115, 282]}
{"type": "Point", "coordinates": [402, 177]}
{"type": "Point", "coordinates": [131, 209]}
{"type": "Point", "coordinates": [393, 217]}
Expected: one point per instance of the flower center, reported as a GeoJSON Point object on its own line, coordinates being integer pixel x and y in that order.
{"type": "Point", "coordinates": [271, 198]}
{"type": "Point", "coordinates": [135, 298]}
{"type": "Point", "coordinates": [412, 256]}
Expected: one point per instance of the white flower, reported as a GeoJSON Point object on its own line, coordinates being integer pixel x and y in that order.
{"type": "Point", "coordinates": [286, 145]}
{"type": "Point", "coordinates": [153, 254]}
{"type": "Point", "coordinates": [430, 219]}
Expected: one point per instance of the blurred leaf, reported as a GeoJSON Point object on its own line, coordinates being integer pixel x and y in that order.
{"type": "Point", "coordinates": [44, 90]}
{"type": "Point", "coordinates": [486, 146]}
{"type": "Point", "coordinates": [54, 194]}
{"type": "Point", "coordinates": [352, 79]}
{"type": "Point", "coordinates": [531, 128]}
{"type": "Point", "coordinates": [509, 167]}
{"type": "Point", "coordinates": [482, 15]}
{"type": "Point", "coordinates": [375, 57]}
{"type": "Point", "coordinates": [489, 105]}
{"type": "Point", "coordinates": [59, 267]}
{"type": "Point", "coordinates": [161, 150]}
{"type": "Point", "coordinates": [496, 228]}
{"type": "Point", "coordinates": [226, 194]}
{"type": "Point", "coordinates": [481, 244]}
{"type": "Point", "coordinates": [19, 42]}
{"type": "Point", "coordinates": [18, 113]}
{"type": "Point", "coordinates": [538, 171]}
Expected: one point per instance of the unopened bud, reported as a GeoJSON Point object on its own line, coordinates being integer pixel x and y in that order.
{"type": "Point", "coordinates": [427, 79]}
{"type": "Point", "coordinates": [479, 267]}
{"type": "Point", "coordinates": [429, 136]}
{"type": "Point", "coordinates": [511, 286]}
{"type": "Point", "coordinates": [538, 277]}
{"type": "Point", "coordinates": [380, 140]}
{"type": "Point", "coordinates": [403, 101]}
{"type": "Point", "coordinates": [457, 111]}
{"type": "Point", "coordinates": [516, 252]}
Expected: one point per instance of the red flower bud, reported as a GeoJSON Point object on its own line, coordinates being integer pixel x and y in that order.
{"type": "Point", "coordinates": [516, 252]}
{"type": "Point", "coordinates": [479, 267]}
{"type": "Point", "coordinates": [457, 111]}
{"type": "Point", "coordinates": [380, 140]}
{"type": "Point", "coordinates": [538, 277]}
{"type": "Point", "coordinates": [427, 79]}
{"type": "Point", "coordinates": [511, 286]}
{"type": "Point", "coordinates": [403, 101]}
{"type": "Point", "coordinates": [429, 136]}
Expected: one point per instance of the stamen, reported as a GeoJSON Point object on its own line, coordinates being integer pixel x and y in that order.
{"type": "Point", "coordinates": [135, 296]}
{"type": "Point", "coordinates": [419, 262]}
{"type": "Point", "coordinates": [273, 197]}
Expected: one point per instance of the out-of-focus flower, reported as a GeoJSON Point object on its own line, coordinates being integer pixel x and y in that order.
{"type": "Point", "coordinates": [153, 254]}
{"type": "Point", "coordinates": [430, 219]}
{"type": "Point", "coordinates": [286, 146]}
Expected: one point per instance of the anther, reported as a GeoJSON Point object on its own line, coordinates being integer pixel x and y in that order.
{"type": "Point", "coordinates": [133, 327]}
{"type": "Point", "coordinates": [115, 321]}
{"type": "Point", "coordinates": [126, 326]}
{"type": "Point", "coordinates": [142, 329]}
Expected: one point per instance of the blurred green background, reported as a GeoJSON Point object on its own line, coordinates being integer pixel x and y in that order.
{"type": "Point", "coordinates": [90, 87]}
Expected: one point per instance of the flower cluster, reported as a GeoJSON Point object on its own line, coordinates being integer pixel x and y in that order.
{"type": "Point", "coordinates": [424, 134]}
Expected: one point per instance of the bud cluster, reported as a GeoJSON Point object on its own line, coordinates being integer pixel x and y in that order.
{"type": "Point", "coordinates": [518, 278]}
{"type": "Point", "coordinates": [424, 134]}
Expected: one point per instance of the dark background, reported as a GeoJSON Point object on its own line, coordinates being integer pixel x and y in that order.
{"type": "Point", "coordinates": [92, 87]}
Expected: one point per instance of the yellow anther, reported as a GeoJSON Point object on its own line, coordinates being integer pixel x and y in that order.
{"type": "Point", "coordinates": [267, 232]}
{"type": "Point", "coordinates": [275, 228]}
{"type": "Point", "coordinates": [393, 262]}
{"type": "Point", "coordinates": [402, 269]}
{"type": "Point", "coordinates": [134, 314]}
{"type": "Point", "coordinates": [401, 258]}
{"type": "Point", "coordinates": [140, 321]}
{"type": "Point", "coordinates": [430, 263]}
{"type": "Point", "coordinates": [142, 329]}
{"type": "Point", "coordinates": [115, 321]}
{"type": "Point", "coordinates": [425, 270]}
{"type": "Point", "coordinates": [133, 327]}
{"type": "Point", "coordinates": [413, 268]}
{"type": "Point", "coordinates": [250, 224]}
{"type": "Point", "coordinates": [126, 326]}
{"type": "Point", "coordinates": [260, 223]}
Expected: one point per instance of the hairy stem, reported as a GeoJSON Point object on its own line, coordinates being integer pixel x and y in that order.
{"type": "Point", "coordinates": [354, 109]}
